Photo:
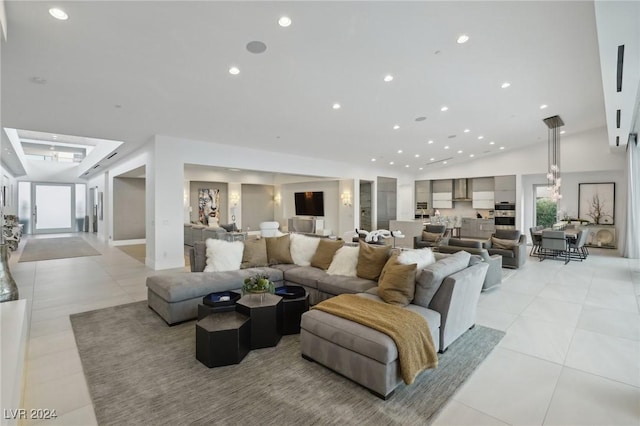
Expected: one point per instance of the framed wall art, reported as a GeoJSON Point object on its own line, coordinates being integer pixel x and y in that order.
{"type": "Point", "coordinates": [596, 202]}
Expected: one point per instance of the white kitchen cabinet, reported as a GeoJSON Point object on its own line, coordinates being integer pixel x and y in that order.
{"type": "Point", "coordinates": [482, 200]}
{"type": "Point", "coordinates": [442, 200]}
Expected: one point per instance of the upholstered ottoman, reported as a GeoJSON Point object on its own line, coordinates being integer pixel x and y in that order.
{"type": "Point", "coordinates": [355, 351]}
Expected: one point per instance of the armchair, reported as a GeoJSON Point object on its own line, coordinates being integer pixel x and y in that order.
{"type": "Point", "coordinates": [513, 255]}
{"type": "Point", "coordinates": [494, 273]}
{"type": "Point", "coordinates": [432, 236]}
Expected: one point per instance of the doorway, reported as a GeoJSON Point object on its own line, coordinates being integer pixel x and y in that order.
{"type": "Point", "coordinates": [365, 205]}
{"type": "Point", "coordinates": [546, 209]}
{"type": "Point", "coordinates": [53, 210]}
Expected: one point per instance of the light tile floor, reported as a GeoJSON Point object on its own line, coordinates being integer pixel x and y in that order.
{"type": "Point", "coordinates": [571, 355]}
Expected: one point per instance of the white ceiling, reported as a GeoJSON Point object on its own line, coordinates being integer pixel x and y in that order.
{"type": "Point", "coordinates": [128, 70]}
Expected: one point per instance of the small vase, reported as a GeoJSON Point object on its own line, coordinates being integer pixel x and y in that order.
{"type": "Point", "coordinates": [8, 287]}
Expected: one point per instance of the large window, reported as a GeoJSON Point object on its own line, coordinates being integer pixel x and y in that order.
{"type": "Point", "coordinates": [546, 208]}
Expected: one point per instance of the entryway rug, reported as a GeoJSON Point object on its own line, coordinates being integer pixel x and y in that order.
{"type": "Point", "coordinates": [56, 248]}
{"type": "Point", "coordinates": [141, 371]}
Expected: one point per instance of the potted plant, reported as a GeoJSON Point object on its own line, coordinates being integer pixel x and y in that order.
{"type": "Point", "coordinates": [259, 283]}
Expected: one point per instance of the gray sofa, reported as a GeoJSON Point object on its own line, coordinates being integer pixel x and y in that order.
{"type": "Point", "coordinates": [175, 297]}
{"type": "Point", "coordinates": [370, 357]}
{"type": "Point", "coordinates": [194, 232]}
{"type": "Point", "coordinates": [494, 273]}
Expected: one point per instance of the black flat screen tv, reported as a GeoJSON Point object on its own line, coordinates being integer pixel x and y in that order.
{"type": "Point", "coordinates": [309, 203]}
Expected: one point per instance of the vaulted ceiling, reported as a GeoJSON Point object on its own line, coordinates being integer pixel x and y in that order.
{"type": "Point", "coordinates": [127, 70]}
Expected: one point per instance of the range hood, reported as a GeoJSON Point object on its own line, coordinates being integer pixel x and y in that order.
{"type": "Point", "coordinates": [460, 190]}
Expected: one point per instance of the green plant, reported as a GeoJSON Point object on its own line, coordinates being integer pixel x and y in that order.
{"type": "Point", "coordinates": [258, 283]}
{"type": "Point", "coordinates": [546, 211]}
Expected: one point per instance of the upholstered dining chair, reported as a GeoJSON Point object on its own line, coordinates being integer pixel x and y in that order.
{"type": "Point", "coordinates": [536, 239]}
{"type": "Point", "coordinates": [554, 244]}
{"type": "Point", "coordinates": [577, 249]}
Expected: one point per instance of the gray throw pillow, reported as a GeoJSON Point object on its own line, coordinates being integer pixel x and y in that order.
{"type": "Point", "coordinates": [432, 276]}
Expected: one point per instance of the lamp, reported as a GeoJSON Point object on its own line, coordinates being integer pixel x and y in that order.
{"type": "Point", "coordinates": [234, 198]}
{"type": "Point", "coordinates": [554, 181]}
{"type": "Point", "coordinates": [277, 199]}
{"type": "Point", "coordinates": [346, 198]}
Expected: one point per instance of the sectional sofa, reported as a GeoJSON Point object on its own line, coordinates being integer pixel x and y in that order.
{"type": "Point", "coordinates": [446, 295]}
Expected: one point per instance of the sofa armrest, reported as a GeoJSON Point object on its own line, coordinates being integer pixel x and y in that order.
{"type": "Point", "coordinates": [192, 259]}
{"type": "Point", "coordinates": [457, 302]}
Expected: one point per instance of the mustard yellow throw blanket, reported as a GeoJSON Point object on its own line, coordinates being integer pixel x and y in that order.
{"type": "Point", "coordinates": [409, 330]}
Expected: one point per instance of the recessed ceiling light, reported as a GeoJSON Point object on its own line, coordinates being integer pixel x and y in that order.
{"type": "Point", "coordinates": [284, 21]}
{"type": "Point", "coordinates": [480, 137]}
{"type": "Point", "coordinates": [462, 39]}
{"type": "Point", "coordinates": [502, 147]}
{"type": "Point", "coordinates": [373, 159]}
{"type": "Point", "coordinates": [396, 127]}
{"type": "Point", "coordinates": [472, 155]}
{"type": "Point", "coordinates": [446, 147]}
{"type": "Point", "coordinates": [420, 168]}
{"type": "Point", "coordinates": [505, 84]}
{"type": "Point", "coordinates": [562, 132]}
{"type": "Point", "coordinates": [234, 70]}
{"type": "Point", "coordinates": [417, 155]}
{"type": "Point", "coordinates": [52, 147]}
{"type": "Point", "coordinates": [336, 106]}
{"type": "Point", "coordinates": [387, 78]}
{"type": "Point", "coordinates": [55, 136]}
{"type": "Point", "coordinates": [459, 151]}
{"type": "Point", "coordinates": [430, 142]}
{"type": "Point", "coordinates": [406, 165]}
{"type": "Point", "coordinates": [543, 106]}
{"type": "Point", "coordinates": [391, 163]}
{"type": "Point", "coordinates": [399, 151]}
{"type": "Point", "coordinates": [432, 159]}
{"type": "Point", "coordinates": [444, 108]}
{"type": "Point", "coordinates": [492, 143]}
{"type": "Point", "coordinates": [444, 162]}
{"type": "Point", "coordinates": [58, 14]}
{"type": "Point", "coordinates": [467, 130]}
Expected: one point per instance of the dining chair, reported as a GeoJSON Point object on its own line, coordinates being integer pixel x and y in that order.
{"type": "Point", "coordinates": [554, 244]}
{"type": "Point", "coordinates": [577, 249]}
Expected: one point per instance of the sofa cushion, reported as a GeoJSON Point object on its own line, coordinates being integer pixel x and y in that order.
{"type": "Point", "coordinates": [397, 283]}
{"type": "Point", "coordinates": [421, 257]}
{"type": "Point", "coordinates": [324, 253]}
{"type": "Point", "coordinates": [223, 255]}
{"type": "Point", "coordinates": [254, 254]}
{"type": "Point", "coordinates": [181, 286]}
{"type": "Point", "coordinates": [303, 248]}
{"type": "Point", "coordinates": [431, 237]}
{"type": "Point", "coordinates": [499, 243]}
{"type": "Point", "coordinates": [432, 276]}
{"type": "Point", "coordinates": [278, 249]}
{"type": "Point", "coordinates": [307, 276]}
{"type": "Point", "coordinates": [371, 260]}
{"type": "Point", "coordinates": [338, 284]}
{"type": "Point", "coordinates": [507, 234]}
{"type": "Point", "coordinates": [345, 262]}
{"type": "Point", "coordinates": [502, 252]}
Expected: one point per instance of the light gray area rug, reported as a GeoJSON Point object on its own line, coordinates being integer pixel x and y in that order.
{"type": "Point", "coordinates": [56, 248]}
{"type": "Point", "coordinates": [141, 371]}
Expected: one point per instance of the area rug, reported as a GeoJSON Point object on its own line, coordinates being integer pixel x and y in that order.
{"type": "Point", "coordinates": [141, 371]}
{"type": "Point", "coordinates": [56, 248]}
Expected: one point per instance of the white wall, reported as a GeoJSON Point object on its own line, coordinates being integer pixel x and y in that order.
{"type": "Point", "coordinates": [331, 202]}
{"type": "Point", "coordinates": [51, 171]}
{"type": "Point", "coordinates": [11, 192]}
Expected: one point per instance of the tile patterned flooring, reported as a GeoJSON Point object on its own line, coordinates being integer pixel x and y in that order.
{"type": "Point", "coordinates": [571, 355]}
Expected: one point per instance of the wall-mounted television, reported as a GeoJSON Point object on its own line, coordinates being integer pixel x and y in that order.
{"type": "Point", "coordinates": [309, 203]}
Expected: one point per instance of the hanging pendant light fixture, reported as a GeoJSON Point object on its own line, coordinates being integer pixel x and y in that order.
{"type": "Point", "coordinates": [554, 180]}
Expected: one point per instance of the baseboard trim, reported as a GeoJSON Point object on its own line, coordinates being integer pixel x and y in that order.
{"type": "Point", "coordinates": [128, 242]}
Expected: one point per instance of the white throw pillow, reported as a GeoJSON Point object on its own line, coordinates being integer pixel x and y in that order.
{"type": "Point", "coordinates": [303, 248]}
{"type": "Point", "coordinates": [223, 255]}
{"type": "Point", "coordinates": [345, 262]}
{"type": "Point", "coordinates": [422, 257]}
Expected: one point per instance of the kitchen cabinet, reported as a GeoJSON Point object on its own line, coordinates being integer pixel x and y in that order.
{"type": "Point", "coordinates": [483, 184]}
{"type": "Point", "coordinates": [468, 228]}
{"type": "Point", "coordinates": [482, 200]}
{"type": "Point", "coordinates": [486, 227]}
{"type": "Point", "coordinates": [505, 189]}
{"type": "Point", "coordinates": [477, 228]}
{"type": "Point", "coordinates": [442, 200]}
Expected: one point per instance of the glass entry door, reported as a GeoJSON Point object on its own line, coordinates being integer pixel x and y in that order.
{"type": "Point", "coordinates": [53, 210]}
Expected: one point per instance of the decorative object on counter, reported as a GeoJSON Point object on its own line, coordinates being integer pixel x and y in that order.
{"type": "Point", "coordinates": [553, 175]}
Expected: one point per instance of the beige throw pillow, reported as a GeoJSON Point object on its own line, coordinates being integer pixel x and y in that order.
{"type": "Point", "coordinates": [371, 260]}
{"type": "Point", "coordinates": [278, 250]}
{"type": "Point", "coordinates": [324, 253]}
{"type": "Point", "coordinates": [397, 284]}
{"type": "Point", "coordinates": [503, 244]}
{"type": "Point", "coordinates": [255, 253]}
{"type": "Point", "coordinates": [431, 236]}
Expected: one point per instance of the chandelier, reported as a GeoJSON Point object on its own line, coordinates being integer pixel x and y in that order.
{"type": "Point", "coordinates": [553, 174]}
